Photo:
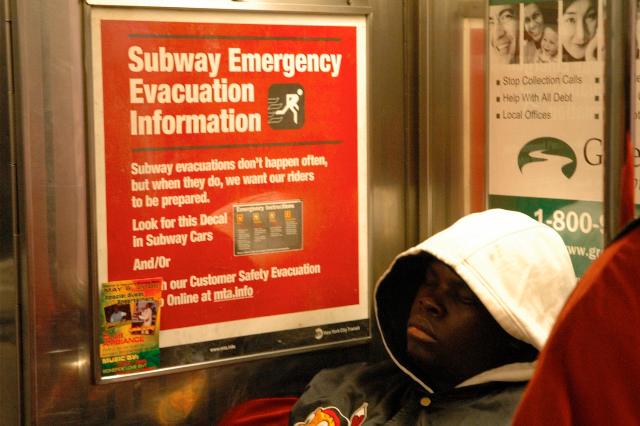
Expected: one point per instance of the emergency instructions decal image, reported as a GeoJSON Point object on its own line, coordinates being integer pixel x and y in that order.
{"type": "Point", "coordinates": [273, 227]}
{"type": "Point", "coordinates": [221, 166]}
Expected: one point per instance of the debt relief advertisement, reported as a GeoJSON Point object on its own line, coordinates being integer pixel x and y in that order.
{"type": "Point", "coordinates": [229, 159]}
{"type": "Point", "coordinates": [545, 122]}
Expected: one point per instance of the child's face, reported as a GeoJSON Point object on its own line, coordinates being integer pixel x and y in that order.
{"type": "Point", "coordinates": [450, 334]}
{"type": "Point", "coordinates": [549, 42]}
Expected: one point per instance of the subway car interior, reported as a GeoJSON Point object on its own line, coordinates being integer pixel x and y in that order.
{"type": "Point", "coordinates": [473, 261]}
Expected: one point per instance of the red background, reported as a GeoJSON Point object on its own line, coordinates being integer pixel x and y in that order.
{"type": "Point", "coordinates": [330, 209]}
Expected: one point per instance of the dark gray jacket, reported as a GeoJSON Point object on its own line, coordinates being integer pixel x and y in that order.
{"type": "Point", "coordinates": [392, 398]}
{"type": "Point", "coordinates": [521, 272]}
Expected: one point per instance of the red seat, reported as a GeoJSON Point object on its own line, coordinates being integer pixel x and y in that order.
{"type": "Point", "coordinates": [263, 412]}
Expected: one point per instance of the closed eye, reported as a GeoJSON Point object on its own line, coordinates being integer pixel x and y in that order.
{"type": "Point", "coordinates": [468, 300]}
{"type": "Point", "coordinates": [465, 296]}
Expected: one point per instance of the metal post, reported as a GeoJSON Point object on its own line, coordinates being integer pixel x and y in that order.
{"type": "Point", "coordinates": [617, 95]}
{"type": "Point", "coordinates": [10, 337]}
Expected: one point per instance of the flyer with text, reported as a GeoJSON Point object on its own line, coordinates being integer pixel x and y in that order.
{"type": "Point", "coordinates": [230, 159]}
{"type": "Point", "coordinates": [130, 325]}
{"type": "Point", "coordinates": [545, 117]}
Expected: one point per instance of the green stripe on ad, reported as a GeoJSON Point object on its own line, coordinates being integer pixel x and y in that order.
{"type": "Point", "coordinates": [579, 223]}
{"type": "Point", "coordinates": [496, 2]}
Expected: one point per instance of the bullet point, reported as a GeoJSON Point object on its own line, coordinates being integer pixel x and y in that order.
{"type": "Point", "coordinates": [597, 98]}
{"type": "Point", "coordinates": [597, 116]}
{"type": "Point", "coordinates": [498, 116]}
{"type": "Point", "coordinates": [497, 82]}
{"type": "Point", "coordinates": [597, 79]}
{"type": "Point", "coordinates": [498, 99]}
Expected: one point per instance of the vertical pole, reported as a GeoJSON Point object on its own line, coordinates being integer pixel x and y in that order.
{"type": "Point", "coordinates": [11, 396]}
{"type": "Point", "coordinates": [617, 96]}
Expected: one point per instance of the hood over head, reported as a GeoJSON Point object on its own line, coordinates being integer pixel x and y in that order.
{"type": "Point", "coordinates": [518, 268]}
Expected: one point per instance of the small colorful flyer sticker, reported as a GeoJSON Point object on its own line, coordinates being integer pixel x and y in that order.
{"type": "Point", "coordinates": [130, 318]}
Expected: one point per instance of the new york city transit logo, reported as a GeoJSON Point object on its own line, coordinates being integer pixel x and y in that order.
{"type": "Point", "coordinates": [550, 150]}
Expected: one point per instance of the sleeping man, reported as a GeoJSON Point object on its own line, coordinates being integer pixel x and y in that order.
{"type": "Point", "coordinates": [462, 317]}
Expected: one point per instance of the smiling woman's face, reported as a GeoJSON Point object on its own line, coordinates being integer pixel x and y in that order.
{"type": "Point", "coordinates": [450, 334]}
{"type": "Point", "coordinates": [503, 30]}
{"type": "Point", "coordinates": [533, 21]}
{"type": "Point", "coordinates": [578, 27]}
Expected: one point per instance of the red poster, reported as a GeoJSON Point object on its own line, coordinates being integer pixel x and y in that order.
{"type": "Point", "coordinates": [229, 161]}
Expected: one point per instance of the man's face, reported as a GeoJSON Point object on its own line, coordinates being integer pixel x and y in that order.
{"type": "Point", "coordinates": [503, 30]}
{"type": "Point", "coordinates": [450, 334]}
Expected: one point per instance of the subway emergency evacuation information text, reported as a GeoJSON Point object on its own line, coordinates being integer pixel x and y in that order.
{"type": "Point", "coordinates": [230, 166]}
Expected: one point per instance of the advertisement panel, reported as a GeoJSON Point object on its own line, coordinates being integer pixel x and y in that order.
{"type": "Point", "coordinates": [229, 159]}
{"type": "Point", "coordinates": [545, 117]}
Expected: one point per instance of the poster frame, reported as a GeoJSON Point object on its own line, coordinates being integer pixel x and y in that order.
{"type": "Point", "coordinates": [333, 7]}
{"type": "Point", "coordinates": [359, 11]}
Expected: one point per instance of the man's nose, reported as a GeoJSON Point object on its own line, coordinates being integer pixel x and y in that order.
{"type": "Point", "coordinates": [432, 305]}
{"type": "Point", "coordinates": [498, 30]}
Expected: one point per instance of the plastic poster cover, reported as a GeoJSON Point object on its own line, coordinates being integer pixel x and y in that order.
{"type": "Point", "coordinates": [545, 117]}
{"type": "Point", "coordinates": [229, 158]}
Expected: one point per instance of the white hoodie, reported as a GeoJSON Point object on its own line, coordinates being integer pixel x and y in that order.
{"type": "Point", "coordinates": [519, 269]}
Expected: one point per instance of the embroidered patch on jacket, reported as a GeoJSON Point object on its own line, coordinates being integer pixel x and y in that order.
{"type": "Point", "coordinates": [331, 416]}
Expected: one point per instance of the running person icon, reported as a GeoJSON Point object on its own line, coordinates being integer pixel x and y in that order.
{"type": "Point", "coordinates": [292, 104]}
{"type": "Point", "coordinates": [286, 106]}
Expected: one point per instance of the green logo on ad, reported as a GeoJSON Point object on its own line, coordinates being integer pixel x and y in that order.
{"type": "Point", "coordinates": [545, 149]}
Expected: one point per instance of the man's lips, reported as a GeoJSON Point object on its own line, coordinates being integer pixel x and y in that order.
{"type": "Point", "coordinates": [503, 48]}
{"type": "Point", "coordinates": [420, 333]}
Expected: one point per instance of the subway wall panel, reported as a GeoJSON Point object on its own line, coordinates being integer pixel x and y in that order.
{"type": "Point", "coordinates": [52, 138]}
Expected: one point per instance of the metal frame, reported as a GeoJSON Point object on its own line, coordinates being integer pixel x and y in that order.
{"type": "Point", "coordinates": [425, 192]}
{"type": "Point", "coordinates": [349, 7]}
{"type": "Point", "coordinates": [441, 188]}
{"type": "Point", "coordinates": [11, 340]}
{"type": "Point", "coordinates": [254, 7]}
{"type": "Point", "coordinates": [619, 70]}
